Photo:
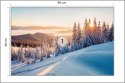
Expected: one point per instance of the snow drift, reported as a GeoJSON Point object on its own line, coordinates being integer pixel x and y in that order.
{"type": "Point", "coordinates": [91, 61]}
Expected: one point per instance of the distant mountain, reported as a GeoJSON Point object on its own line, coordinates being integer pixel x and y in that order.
{"type": "Point", "coordinates": [38, 37]}
{"type": "Point", "coordinates": [37, 27]}
{"type": "Point", "coordinates": [25, 37]}
{"type": "Point", "coordinates": [42, 36]}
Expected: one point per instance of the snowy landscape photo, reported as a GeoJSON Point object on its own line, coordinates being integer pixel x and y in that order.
{"type": "Point", "coordinates": [62, 41]}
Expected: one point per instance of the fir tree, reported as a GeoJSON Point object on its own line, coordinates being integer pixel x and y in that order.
{"type": "Point", "coordinates": [103, 33]}
{"type": "Point", "coordinates": [111, 32]}
{"type": "Point", "coordinates": [79, 36]}
{"type": "Point", "coordinates": [74, 37]}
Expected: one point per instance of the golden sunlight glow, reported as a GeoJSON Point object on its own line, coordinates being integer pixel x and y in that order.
{"type": "Point", "coordinates": [91, 25]}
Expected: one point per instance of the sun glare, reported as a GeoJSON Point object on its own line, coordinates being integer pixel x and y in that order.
{"type": "Point", "coordinates": [91, 24]}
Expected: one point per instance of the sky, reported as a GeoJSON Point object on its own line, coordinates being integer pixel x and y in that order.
{"type": "Point", "coordinates": [47, 16]}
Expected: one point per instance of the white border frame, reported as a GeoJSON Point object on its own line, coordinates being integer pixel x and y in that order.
{"type": "Point", "coordinates": [119, 42]}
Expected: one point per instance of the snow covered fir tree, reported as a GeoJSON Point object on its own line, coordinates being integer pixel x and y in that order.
{"type": "Point", "coordinates": [91, 35]}
{"type": "Point", "coordinates": [82, 37]}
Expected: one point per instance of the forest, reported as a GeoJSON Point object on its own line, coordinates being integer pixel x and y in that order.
{"type": "Point", "coordinates": [82, 36]}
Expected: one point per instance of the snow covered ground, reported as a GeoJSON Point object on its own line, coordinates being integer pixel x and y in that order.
{"type": "Point", "coordinates": [90, 61]}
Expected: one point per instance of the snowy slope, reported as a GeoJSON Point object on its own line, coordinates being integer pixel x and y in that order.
{"type": "Point", "coordinates": [93, 60]}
